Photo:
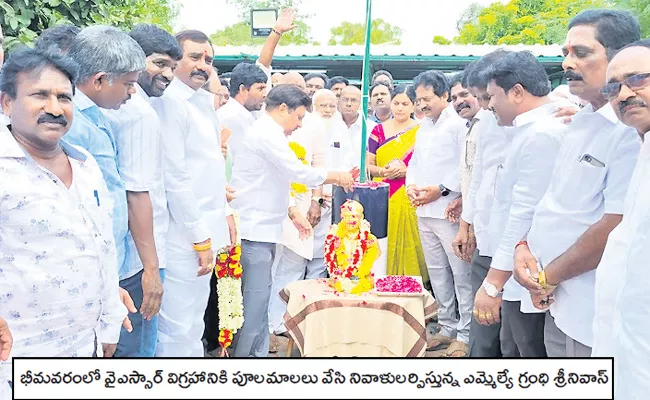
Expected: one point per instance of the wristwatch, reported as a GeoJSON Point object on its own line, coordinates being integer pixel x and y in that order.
{"type": "Point", "coordinates": [443, 190]}
{"type": "Point", "coordinates": [491, 290]}
{"type": "Point", "coordinates": [319, 200]}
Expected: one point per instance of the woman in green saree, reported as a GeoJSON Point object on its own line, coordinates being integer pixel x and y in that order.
{"type": "Point", "coordinates": [390, 147]}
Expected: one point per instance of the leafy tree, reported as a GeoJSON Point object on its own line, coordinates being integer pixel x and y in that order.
{"type": "Point", "coordinates": [440, 40]}
{"type": "Point", "coordinates": [469, 15]}
{"type": "Point", "coordinates": [641, 8]}
{"type": "Point", "coordinates": [523, 21]}
{"type": "Point", "coordinates": [239, 34]}
{"type": "Point", "coordinates": [23, 20]}
{"type": "Point", "coordinates": [349, 33]}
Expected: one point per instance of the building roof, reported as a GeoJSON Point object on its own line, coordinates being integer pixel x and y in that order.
{"type": "Point", "coordinates": [403, 61]}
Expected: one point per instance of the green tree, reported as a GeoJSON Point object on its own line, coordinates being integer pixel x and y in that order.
{"type": "Point", "coordinates": [239, 34]}
{"type": "Point", "coordinates": [349, 33]}
{"type": "Point", "coordinates": [23, 20]}
{"type": "Point", "coordinates": [523, 22]}
{"type": "Point", "coordinates": [641, 8]}
{"type": "Point", "coordinates": [440, 40]}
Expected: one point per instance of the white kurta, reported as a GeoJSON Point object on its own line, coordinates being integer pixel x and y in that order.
{"type": "Point", "coordinates": [622, 316]}
{"type": "Point", "coordinates": [195, 182]}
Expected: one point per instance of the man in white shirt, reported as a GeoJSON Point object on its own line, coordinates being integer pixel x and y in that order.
{"type": "Point", "coordinates": [294, 254]}
{"type": "Point", "coordinates": [262, 175]}
{"type": "Point", "coordinates": [349, 105]}
{"type": "Point", "coordinates": [518, 88]}
{"type": "Point", "coordinates": [473, 241]}
{"type": "Point", "coordinates": [195, 185]}
{"type": "Point", "coordinates": [139, 155]}
{"type": "Point", "coordinates": [338, 157]}
{"type": "Point", "coordinates": [621, 321]}
{"type": "Point", "coordinates": [58, 271]}
{"type": "Point", "coordinates": [585, 198]}
{"type": "Point", "coordinates": [432, 182]}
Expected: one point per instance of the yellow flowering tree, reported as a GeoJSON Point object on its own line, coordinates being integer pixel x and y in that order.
{"type": "Point", "coordinates": [522, 21]}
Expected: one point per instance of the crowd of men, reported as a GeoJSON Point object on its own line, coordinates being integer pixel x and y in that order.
{"type": "Point", "coordinates": [125, 157]}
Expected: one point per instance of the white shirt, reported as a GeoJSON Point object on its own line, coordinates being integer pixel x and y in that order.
{"type": "Point", "coordinates": [579, 194]}
{"type": "Point", "coordinates": [58, 263]}
{"type": "Point", "coordinates": [436, 159]}
{"type": "Point", "coordinates": [340, 150]}
{"type": "Point", "coordinates": [262, 176]}
{"type": "Point", "coordinates": [312, 138]}
{"type": "Point", "coordinates": [492, 144]}
{"type": "Point", "coordinates": [238, 119]}
{"type": "Point", "coordinates": [193, 167]}
{"type": "Point", "coordinates": [467, 155]}
{"type": "Point", "coordinates": [622, 317]}
{"type": "Point", "coordinates": [354, 137]}
{"type": "Point", "coordinates": [139, 156]}
{"type": "Point", "coordinates": [520, 184]}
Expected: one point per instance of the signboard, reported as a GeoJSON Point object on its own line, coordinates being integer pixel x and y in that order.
{"type": "Point", "coordinates": [263, 21]}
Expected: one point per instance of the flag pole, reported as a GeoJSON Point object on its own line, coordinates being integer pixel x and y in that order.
{"type": "Point", "coordinates": [365, 77]}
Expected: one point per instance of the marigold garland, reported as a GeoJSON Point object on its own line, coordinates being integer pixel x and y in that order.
{"type": "Point", "coordinates": [229, 270]}
{"type": "Point", "coordinates": [301, 153]}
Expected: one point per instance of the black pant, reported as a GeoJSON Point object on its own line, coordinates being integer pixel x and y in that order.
{"type": "Point", "coordinates": [522, 335]}
{"type": "Point", "coordinates": [211, 317]}
{"type": "Point", "coordinates": [483, 339]}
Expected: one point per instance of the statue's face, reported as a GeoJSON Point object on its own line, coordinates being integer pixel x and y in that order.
{"type": "Point", "coordinates": [351, 215]}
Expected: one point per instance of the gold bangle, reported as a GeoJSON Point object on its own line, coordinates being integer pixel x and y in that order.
{"type": "Point", "coordinates": [541, 278]}
{"type": "Point", "coordinates": [203, 247]}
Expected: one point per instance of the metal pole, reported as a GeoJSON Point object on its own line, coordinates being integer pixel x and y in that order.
{"type": "Point", "coordinates": [366, 86]}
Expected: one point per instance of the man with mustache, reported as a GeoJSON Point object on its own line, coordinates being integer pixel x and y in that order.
{"type": "Point", "coordinates": [349, 105]}
{"type": "Point", "coordinates": [466, 106]}
{"type": "Point", "coordinates": [585, 198]}
{"type": "Point", "coordinates": [109, 64]}
{"type": "Point", "coordinates": [315, 82]}
{"type": "Point", "coordinates": [518, 89]}
{"type": "Point", "coordinates": [137, 132]}
{"type": "Point", "coordinates": [59, 289]}
{"type": "Point", "coordinates": [432, 183]}
{"type": "Point", "coordinates": [380, 101]}
{"type": "Point", "coordinates": [621, 318]}
{"type": "Point", "coordinates": [195, 184]}
{"type": "Point", "coordinates": [473, 241]}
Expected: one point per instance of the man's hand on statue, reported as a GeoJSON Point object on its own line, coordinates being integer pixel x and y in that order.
{"type": "Point", "coordinates": [109, 349]}
{"type": "Point", "coordinates": [285, 21]}
{"type": "Point", "coordinates": [231, 193]}
{"type": "Point", "coordinates": [6, 340]}
{"type": "Point", "coordinates": [542, 302]}
{"type": "Point", "coordinates": [302, 224]}
{"type": "Point", "coordinates": [206, 262]}
{"type": "Point", "coordinates": [426, 195]}
{"type": "Point", "coordinates": [454, 210]}
{"type": "Point", "coordinates": [566, 113]}
{"type": "Point", "coordinates": [126, 299]}
{"type": "Point", "coordinates": [486, 309]}
{"type": "Point", "coordinates": [152, 292]}
{"type": "Point", "coordinates": [232, 229]}
{"type": "Point", "coordinates": [525, 270]}
{"type": "Point", "coordinates": [355, 172]}
{"type": "Point", "coordinates": [314, 213]}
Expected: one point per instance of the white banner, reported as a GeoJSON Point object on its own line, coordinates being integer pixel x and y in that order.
{"type": "Point", "coordinates": [332, 378]}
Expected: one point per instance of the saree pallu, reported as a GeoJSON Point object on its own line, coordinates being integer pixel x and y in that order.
{"type": "Point", "coordinates": [405, 255]}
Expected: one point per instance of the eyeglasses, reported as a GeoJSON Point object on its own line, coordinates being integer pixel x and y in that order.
{"type": "Point", "coordinates": [634, 82]}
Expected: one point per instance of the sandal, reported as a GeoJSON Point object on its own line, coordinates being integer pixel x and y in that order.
{"type": "Point", "coordinates": [457, 350]}
{"type": "Point", "coordinates": [437, 340]}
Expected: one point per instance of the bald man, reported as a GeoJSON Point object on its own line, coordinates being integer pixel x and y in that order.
{"type": "Point", "coordinates": [294, 78]}
{"type": "Point", "coordinates": [276, 79]}
{"type": "Point", "coordinates": [349, 107]}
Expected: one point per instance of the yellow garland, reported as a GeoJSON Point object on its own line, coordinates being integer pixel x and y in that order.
{"type": "Point", "coordinates": [301, 153]}
{"type": "Point", "coordinates": [371, 255]}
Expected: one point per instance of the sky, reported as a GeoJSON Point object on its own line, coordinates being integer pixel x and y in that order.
{"type": "Point", "coordinates": [418, 25]}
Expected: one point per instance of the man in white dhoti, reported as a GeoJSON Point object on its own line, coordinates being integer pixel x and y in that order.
{"type": "Point", "coordinates": [622, 317]}
{"type": "Point", "coordinates": [195, 184]}
{"type": "Point", "coordinates": [265, 168]}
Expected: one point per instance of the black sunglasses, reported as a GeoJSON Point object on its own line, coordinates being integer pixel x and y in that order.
{"type": "Point", "coordinates": [634, 82]}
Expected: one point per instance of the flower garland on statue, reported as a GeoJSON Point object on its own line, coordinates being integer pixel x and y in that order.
{"type": "Point", "coordinates": [364, 256]}
{"type": "Point", "coordinates": [301, 153]}
{"type": "Point", "coordinates": [231, 307]}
